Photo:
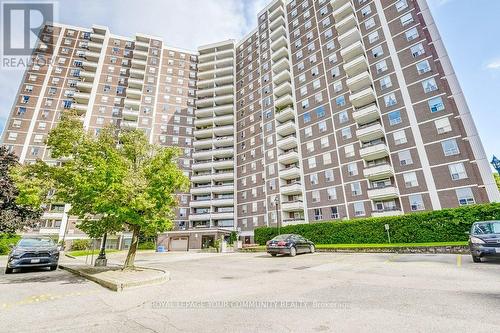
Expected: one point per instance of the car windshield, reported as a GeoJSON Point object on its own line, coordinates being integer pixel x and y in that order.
{"type": "Point", "coordinates": [35, 242]}
{"type": "Point", "coordinates": [486, 228]}
{"type": "Point", "coordinates": [281, 237]}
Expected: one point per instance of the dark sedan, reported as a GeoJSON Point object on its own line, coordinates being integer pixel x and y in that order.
{"type": "Point", "coordinates": [289, 244]}
{"type": "Point", "coordinates": [484, 240]}
{"type": "Point", "coordinates": [33, 252]}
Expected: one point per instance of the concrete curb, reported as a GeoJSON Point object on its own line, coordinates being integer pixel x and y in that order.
{"type": "Point", "coordinates": [457, 249]}
{"type": "Point", "coordinates": [116, 285]}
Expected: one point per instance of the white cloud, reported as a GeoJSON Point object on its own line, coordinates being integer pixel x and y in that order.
{"type": "Point", "coordinates": [495, 64]}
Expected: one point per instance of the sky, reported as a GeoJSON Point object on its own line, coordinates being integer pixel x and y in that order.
{"type": "Point", "coordinates": [469, 29]}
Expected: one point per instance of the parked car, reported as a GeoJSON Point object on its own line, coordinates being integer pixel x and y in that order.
{"type": "Point", "coordinates": [484, 240]}
{"type": "Point", "coordinates": [289, 244]}
{"type": "Point", "coordinates": [33, 252]}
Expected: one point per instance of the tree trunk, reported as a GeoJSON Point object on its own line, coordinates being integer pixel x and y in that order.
{"type": "Point", "coordinates": [129, 262]}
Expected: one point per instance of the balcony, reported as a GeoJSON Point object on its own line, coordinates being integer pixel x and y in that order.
{"type": "Point", "coordinates": [285, 114]}
{"type": "Point", "coordinates": [202, 165]}
{"type": "Point", "coordinates": [89, 76]}
{"type": "Point", "coordinates": [134, 93]}
{"type": "Point", "coordinates": [276, 13]}
{"type": "Point", "coordinates": [291, 189]}
{"type": "Point", "coordinates": [277, 33]}
{"type": "Point", "coordinates": [215, 64]}
{"type": "Point", "coordinates": [79, 108]}
{"type": "Point", "coordinates": [356, 66]}
{"type": "Point", "coordinates": [98, 38]}
{"type": "Point", "coordinates": [135, 83]}
{"type": "Point", "coordinates": [217, 110]}
{"type": "Point", "coordinates": [282, 77]}
{"type": "Point", "coordinates": [219, 54]}
{"type": "Point", "coordinates": [276, 23]}
{"type": "Point", "coordinates": [132, 103]}
{"type": "Point", "coordinates": [284, 88]}
{"type": "Point", "coordinates": [280, 42]}
{"type": "Point", "coordinates": [287, 142]}
{"type": "Point", "coordinates": [201, 178]}
{"type": "Point", "coordinates": [211, 101]}
{"type": "Point", "coordinates": [374, 151]}
{"type": "Point", "coordinates": [84, 86]}
{"type": "Point", "coordinates": [338, 3]}
{"type": "Point", "coordinates": [203, 144]}
{"type": "Point", "coordinates": [212, 82]}
{"type": "Point", "coordinates": [280, 54]}
{"type": "Point", "coordinates": [292, 206]}
{"type": "Point", "coordinates": [137, 73]}
{"type": "Point", "coordinates": [290, 173]}
{"type": "Point", "coordinates": [204, 122]}
{"type": "Point", "coordinates": [223, 152]}
{"type": "Point", "coordinates": [129, 114]}
{"type": "Point", "coordinates": [222, 215]}
{"type": "Point", "coordinates": [204, 133]}
{"type": "Point", "coordinates": [81, 97]}
{"type": "Point", "coordinates": [89, 66]}
{"type": "Point", "coordinates": [93, 46]}
{"type": "Point", "coordinates": [350, 37]}
{"type": "Point", "coordinates": [221, 176]}
{"type": "Point", "coordinates": [203, 203]}
{"type": "Point", "coordinates": [217, 73]}
{"type": "Point", "coordinates": [352, 51]}
{"type": "Point", "coordinates": [342, 11]}
{"type": "Point", "coordinates": [223, 189]}
{"type": "Point", "coordinates": [387, 212]}
{"type": "Point", "coordinates": [346, 24]}
{"type": "Point", "coordinates": [128, 124]}
{"type": "Point", "coordinates": [199, 216]}
{"type": "Point", "coordinates": [281, 65]}
{"type": "Point", "coordinates": [202, 155]}
{"type": "Point", "coordinates": [218, 202]}
{"type": "Point", "coordinates": [288, 157]}
{"type": "Point", "coordinates": [362, 97]}
{"type": "Point", "coordinates": [141, 45]}
{"type": "Point", "coordinates": [366, 115]}
{"type": "Point", "coordinates": [217, 91]}
{"type": "Point", "coordinates": [293, 221]}
{"type": "Point", "coordinates": [140, 64]}
{"type": "Point", "coordinates": [378, 171]}
{"type": "Point", "coordinates": [360, 81]}
{"type": "Point", "coordinates": [286, 128]}
{"type": "Point", "coordinates": [224, 141]}
{"type": "Point", "coordinates": [283, 101]}
{"type": "Point", "coordinates": [370, 132]}
{"type": "Point", "coordinates": [92, 56]}
{"type": "Point", "coordinates": [224, 120]}
{"type": "Point", "coordinates": [202, 189]}
{"type": "Point", "coordinates": [223, 164]}
{"type": "Point", "coordinates": [137, 54]}
{"type": "Point", "coordinates": [383, 193]}
{"type": "Point", "coordinates": [224, 130]}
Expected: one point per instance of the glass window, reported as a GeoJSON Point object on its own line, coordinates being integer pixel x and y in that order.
{"type": "Point", "coordinates": [405, 157]}
{"type": "Point", "coordinates": [346, 133]}
{"type": "Point", "coordinates": [356, 189]}
{"type": "Point", "coordinates": [436, 104]}
{"type": "Point", "coordinates": [457, 171]}
{"type": "Point", "coordinates": [359, 209]}
{"type": "Point", "coordinates": [416, 202]}
{"type": "Point", "coordinates": [343, 117]}
{"type": "Point", "coordinates": [390, 100]}
{"type": "Point", "coordinates": [423, 67]}
{"type": "Point", "coordinates": [377, 51]}
{"type": "Point", "coordinates": [411, 34]}
{"type": "Point", "coordinates": [406, 19]}
{"type": "Point", "coordinates": [465, 196]}
{"type": "Point", "coordinates": [394, 118]}
{"type": "Point", "coordinates": [307, 117]}
{"type": "Point", "coordinates": [410, 179]}
{"type": "Point", "coordinates": [417, 50]}
{"type": "Point", "coordinates": [400, 137]}
{"type": "Point", "coordinates": [429, 85]}
{"type": "Point", "coordinates": [442, 125]}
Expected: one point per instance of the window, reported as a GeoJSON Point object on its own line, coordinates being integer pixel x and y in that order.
{"type": "Point", "coordinates": [307, 117]}
{"type": "Point", "coordinates": [401, 5]}
{"type": "Point", "coordinates": [313, 178]}
{"type": "Point", "coordinates": [417, 50]}
{"type": "Point", "coordinates": [381, 66]}
{"type": "Point", "coordinates": [329, 175]}
{"type": "Point", "coordinates": [457, 171]}
{"type": "Point", "coordinates": [322, 126]}
{"type": "Point", "coordinates": [411, 34]}
{"type": "Point", "coordinates": [390, 100]}
{"type": "Point", "coordinates": [317, 213]}
{"type": "Point", "coordinates": [343, 117]}
{"type": "Point", "coordinates": [349, 151]}
{"type": "Point", "coordinates": [365, 11]}
{"type": "Point", "coordinates": [406, 19]}
{"type": "Point", "coordinates": [385, 82]}
{"type": "Point", "coordinates": [356, 189]}
{"type": "Point", "coordinates": [394, 118]}
{"type": "Point", "coordinates": [327, 158]}
{"type": "Point", "coordinates": [316, 196]}
{"type": "Point", "coordinates": [443, 125]}
{"type": "Point", "coordinates": [370, 23]}
{"type": "Point", "coordinates": [320, 112]}
{"type": "Point", "coordinates": [429, 85]}
{"type": "Point", "coordinates": [346, 133]}
{"type": "Point", "coordinates": [410, 179]}
{"type": "Point", "coordinates": [334, 213]}
{"type": "Point", "coordinates": [465, 196]}
{"type": "Point", "coordinates": [311, 162]}
{"type": "Point", "coordinates": [352, 169]}
{"type": "Point", "coordinates": [373, 37]}
{"type": "Point", "coordinates": [359, 209]}
{"type": "Point", "coordinates": [423, 67]}
{"type": "Point", "coordinates": [377, 51]}
{"type": "Point", "coordinates": [436, 104]}
{"type": "Point", "coordinates": [340, 101]}
{"type": "Point", "coordinates": [400, 137]}
{"type": "Point", "coordinates": [332, 193]}
{"type": "Point", "coordinates": [405, 157]}
{"type": "Point", "coordinates": [416, 202]}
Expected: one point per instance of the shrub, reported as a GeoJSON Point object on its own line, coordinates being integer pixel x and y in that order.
{"type": "Point", "coordinates": [5, 241]}
{"type": "Point", "coordinates": [149, 245]}
{"type": "Point", "coordinates": [80, 244]}
{"type": "Point", "coordinates": [447, 225]}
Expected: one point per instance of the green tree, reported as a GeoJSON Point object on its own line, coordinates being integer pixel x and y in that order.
{"type": "Point", "coordinates": [13, 215]}
{"type": "Point", "coordinates": [497, 179]}
{"type": "Point", "coordinates": [113, 181]}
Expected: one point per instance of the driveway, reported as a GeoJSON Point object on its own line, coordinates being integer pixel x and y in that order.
{"type": "Point", "coordinates": [254, 292]}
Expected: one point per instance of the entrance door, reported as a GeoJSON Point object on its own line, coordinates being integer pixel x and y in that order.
{"type": "Point", "coordinates": [207, 241]}
{"type": "Point", "coordinates": [178, 244]}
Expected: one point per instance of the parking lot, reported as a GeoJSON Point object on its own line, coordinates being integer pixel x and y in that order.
{"type": "Point", "coordinates": [253, 292]}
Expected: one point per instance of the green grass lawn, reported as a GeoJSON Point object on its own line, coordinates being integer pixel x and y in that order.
{"type": "Point", "coordinates": [351, 246]}
{"type": "Point", "coordinates": [80, 253]}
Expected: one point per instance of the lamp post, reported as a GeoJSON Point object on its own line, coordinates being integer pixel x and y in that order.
{"type": "Point", "coordinates": [496, 163]}
{"type": "Point", "coordinates": [278, 223]}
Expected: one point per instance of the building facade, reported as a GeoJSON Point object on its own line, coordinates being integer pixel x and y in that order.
{"type": "Point", "coordinates": [328, 110]}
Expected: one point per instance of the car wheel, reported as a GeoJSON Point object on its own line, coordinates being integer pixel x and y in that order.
{"type": "Point", "coordinates": [312, 248]}
{"type": "Point", "coordinates": [274, 254]}
{"type": "Point", "coordinates": [9, 270]}
{"type": "Point", "coordinates": [293, 251]}
{"type": "Point", "coordinates": [53, 268]}
{"type": "Point", "coordinates": [476, 259]}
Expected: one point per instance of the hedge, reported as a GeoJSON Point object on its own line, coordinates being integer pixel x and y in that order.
{"type": "Point", "coordinates": [5, 241]}
{"type": "Point", "coordinates": [447, 225]}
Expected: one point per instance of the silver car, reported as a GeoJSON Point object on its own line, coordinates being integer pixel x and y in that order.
{"type": "Point", "coordinates": [33, 252]}
{"type": "Point", "coordinates": [484, 240]}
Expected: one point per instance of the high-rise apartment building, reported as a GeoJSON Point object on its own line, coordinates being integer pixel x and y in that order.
{"type": "Point", "coordinates": [328, 110]}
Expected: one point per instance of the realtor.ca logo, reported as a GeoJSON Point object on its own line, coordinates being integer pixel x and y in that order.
{"type": "Point", "coordinates": [22, 26]}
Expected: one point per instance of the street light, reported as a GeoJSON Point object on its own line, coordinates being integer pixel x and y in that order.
{"type": "Point", "coordinates": [276, 203]}
{"type": "Point", "coordinates": [496, 163]}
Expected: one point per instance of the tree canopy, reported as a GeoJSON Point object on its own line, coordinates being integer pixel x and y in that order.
{"type": "Point", "coordinates": [114, 180]}
{"type": "Point", "coordinates": [13, 215]}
